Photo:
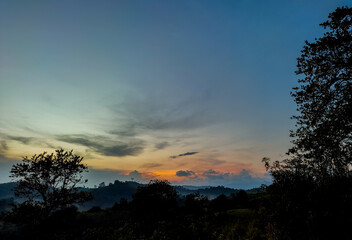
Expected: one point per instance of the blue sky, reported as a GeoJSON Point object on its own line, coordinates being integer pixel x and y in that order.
{"type": "Point", "coordinates": [127, 84]}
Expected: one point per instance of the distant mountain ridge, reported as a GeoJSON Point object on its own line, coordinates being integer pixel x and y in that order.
{"type": "Point", "coordinates": [106, 196]}
{"type": "Point", "coordinates": [6, 190]}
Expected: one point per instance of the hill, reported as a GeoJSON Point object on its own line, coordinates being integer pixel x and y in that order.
{"type": "Point", "coordinates": [107, 196]}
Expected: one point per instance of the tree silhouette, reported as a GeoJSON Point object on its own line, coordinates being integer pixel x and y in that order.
{"type": "Point", "coordinates": [311, 190]}
{"type": "Point", "coordinates": [323, 139]}
{"type": "Point", "coordinates": [157, 195]}
{"type": "Point", "coordinates": [322, 142]}
{"type": "Point", "coordinates": [50, 181]}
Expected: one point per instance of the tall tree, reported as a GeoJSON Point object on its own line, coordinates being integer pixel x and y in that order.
{"type": "Point", "coordinates": [50, 181]}
{"type": "Point", "coordinates": [311, 193]}
{"type": "Point", "coordinates": [323, 139]}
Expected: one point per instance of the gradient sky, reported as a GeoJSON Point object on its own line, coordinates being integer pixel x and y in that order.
{"type": "Point", "coordinates": [196, 92]}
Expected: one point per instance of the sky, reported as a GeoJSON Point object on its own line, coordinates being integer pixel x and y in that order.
{"type": "Point", "coordinates": [194, 92]}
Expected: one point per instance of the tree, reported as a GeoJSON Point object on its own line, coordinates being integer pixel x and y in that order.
{"type": "Point", "coordinates": [323, 139]}
{"type": "Point", "coordinates": [311, 192]}
{"type": "Point", "coordinates": [50, 181]}
{"type": "Point", "coordinates": [156, 193]}
{"type": "Point", "coordinates": [155, 209]}
{"type": "Point", "coordinates": [155, 200]}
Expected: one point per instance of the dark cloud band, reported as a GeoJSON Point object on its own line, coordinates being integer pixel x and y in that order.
{"type": "Point", "coordinates": [184, 154]}
{"type": "Point", "coordinates": [186, 173]}
{"type": "Point", "coordinates": [118, 149]}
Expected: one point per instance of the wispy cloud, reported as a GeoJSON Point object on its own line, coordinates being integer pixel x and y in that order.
{"type": "Point", "coordinates": [24, 140]}
{"type": "Point", "coordinates": [161, 145]}
{"type": "Point", "coordinates": [183, 154]}
{"type": "Point", "coordinates": [211, 160]}
{"type": "Point", "coordinates": [150, 165]}
{"type": "Point", "coordinates": [104, 145]}
{"type": "Point", "coordinates": [3, 146]}
{"type": "Point", "coordinates": [136, 116]}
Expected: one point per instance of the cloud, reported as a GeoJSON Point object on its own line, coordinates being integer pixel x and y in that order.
{"type": "Point", "coordinates": [212, 160]}
{"type": "Point", "coordinates": [146, 115]}
{"type": "Point", "coordinates": [187, 154]}
{"type": "Point", "coordinates": [135, 116]}
{"type": "Point", "coordinates": [78, 139]}
{"type": "Point", "coordinates": [210, 172]}
{"type": "Point", "coordinates": [3, 146]}
{"type": "Point", "coordinates": [128, 131]}
{"type": "Point", "coordinates": [135, 175]}
{"type": "Point", "coordinates": [141, 177]}
{"type": "Point", "coordinates": [116, 148]}
{"type": "Point", "coordinates": [151, 165]}
{"type": "Point", "coordinates": [131, 149]}
{"type": "Point", "coordinates": [184, 154]}
{"type": "Point", "coordinates": [216, 161]}
{"type": "Point", "coordinates": [161, 145]}
{"type": "Point", "coordinates": [241, 180]}
{"type": "Point", "coordinates": [96, 176]}
{"type": "Point", "coordinates": [186, 173]}
{"type": "Point", "coordinates": [24, 140]}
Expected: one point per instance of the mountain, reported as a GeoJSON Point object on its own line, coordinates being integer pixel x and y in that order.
{"type": "Point", "coordinates": [7, 195]}
{"type": "Point", "coordinates": [6, 190]}
{"type": "Point", "coordinates": [106, 196]}
{"type": "Point", "coordinates": [210, 192]}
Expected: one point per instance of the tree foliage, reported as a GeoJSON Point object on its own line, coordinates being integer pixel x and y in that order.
{"type": "Point", "coordinates": [155, 199]}
{"type": "Point", "coordinates": [311, 192]}
{"type": "Point", "coordinates": [50, 181]}
{"type": "Point", "coordinates": [323, 139]}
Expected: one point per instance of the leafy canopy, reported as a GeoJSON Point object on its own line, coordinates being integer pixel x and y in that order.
{"type": "Point", "coordinates": [322, 145]}
{"type": "Point", "coordinates": [51, 181]}
{"type": "Point", "coordinates": [310, 197]}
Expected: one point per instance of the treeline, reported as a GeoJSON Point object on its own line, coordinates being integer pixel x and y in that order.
{"type": "Point", "coordinates": [106, 195]}
{"type": "Point", "coordinates": [297, 209]}
{"type": "Point", "coordinates": [156, 211]}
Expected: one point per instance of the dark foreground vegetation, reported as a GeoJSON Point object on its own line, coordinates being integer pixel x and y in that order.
{"type": "Point", "coordinates": [310, 197]}
{"type": "Point", "coordinates": [155, 212]}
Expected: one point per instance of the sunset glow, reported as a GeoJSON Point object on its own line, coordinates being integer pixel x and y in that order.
{"type": "Point", "coordinates": [193, 92]}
